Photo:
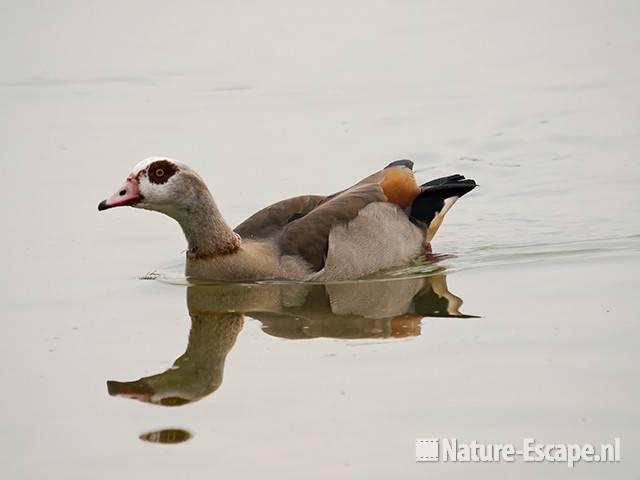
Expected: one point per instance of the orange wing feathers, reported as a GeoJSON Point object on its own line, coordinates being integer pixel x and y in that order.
{"type": "Point", "coordinates": [399, 186]}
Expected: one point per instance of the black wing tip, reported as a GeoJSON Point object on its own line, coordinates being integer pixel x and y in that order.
{"type": "Point", "coordinates": [452, 182]}
{"type": "Point", "coordinates": [454, 189]}
{"type": "Point", "coordinates": [401, 163]}
{"type": "Point", "coordinates": [451, 179]}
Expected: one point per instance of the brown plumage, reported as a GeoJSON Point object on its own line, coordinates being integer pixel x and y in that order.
{"type": "Point", "coordinates": [301, 225]}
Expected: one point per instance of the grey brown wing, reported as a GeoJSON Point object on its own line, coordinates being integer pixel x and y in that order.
{"type": "Point", "coordinates": [308, 236]}
{"type": "Point", "coordinates": [269, 221]}
{"type": "Point", "coordinates": [301, 225]}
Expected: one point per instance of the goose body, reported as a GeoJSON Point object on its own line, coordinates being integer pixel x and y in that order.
{"type": "Point", "coordinates": [384, 220]}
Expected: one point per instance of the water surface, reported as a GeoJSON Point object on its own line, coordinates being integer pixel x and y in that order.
{"type": "Point", "coordinates": [526, 326]}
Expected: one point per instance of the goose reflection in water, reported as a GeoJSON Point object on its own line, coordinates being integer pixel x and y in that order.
{"type": "Point", "coordinates": [376, 309]}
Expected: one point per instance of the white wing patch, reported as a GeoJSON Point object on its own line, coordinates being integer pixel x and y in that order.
{"type": "Point", "coordinates": [437, 220]}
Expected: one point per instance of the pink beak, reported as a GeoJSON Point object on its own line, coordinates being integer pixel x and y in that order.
{"type": "Point", "coordinates": [128, 194]}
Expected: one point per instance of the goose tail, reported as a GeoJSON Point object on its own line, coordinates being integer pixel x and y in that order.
{"type": "Point", "coordinates": [435, 200]}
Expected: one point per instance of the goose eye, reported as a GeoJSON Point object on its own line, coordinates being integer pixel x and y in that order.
{"type": "Point", "coordinates": [161, 171]}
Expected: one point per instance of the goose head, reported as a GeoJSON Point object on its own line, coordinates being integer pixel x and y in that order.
{"type": "Point", "coordinates": [171, 187]}
{"type": "Point", "coordinates": [161, 184]}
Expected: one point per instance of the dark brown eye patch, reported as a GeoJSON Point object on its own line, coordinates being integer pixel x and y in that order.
{"type": "Point", "coordinates": [161, 171]}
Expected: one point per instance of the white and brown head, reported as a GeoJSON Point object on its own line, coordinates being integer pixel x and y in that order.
{"type": "Point", "coordinates": [160, 184]}
{"type": "Point", "coordinates": [172, 188]}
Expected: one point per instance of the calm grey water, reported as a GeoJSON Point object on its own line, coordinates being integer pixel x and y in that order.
{"type": "Point", "coordinates": [105, 373]}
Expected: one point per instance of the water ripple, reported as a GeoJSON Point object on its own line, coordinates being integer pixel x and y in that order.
{"type": "Point", "coordinates": [484, 256]}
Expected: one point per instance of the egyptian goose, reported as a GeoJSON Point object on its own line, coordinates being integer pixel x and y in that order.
{"type": "Point", "coordinates": [384, 220]}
